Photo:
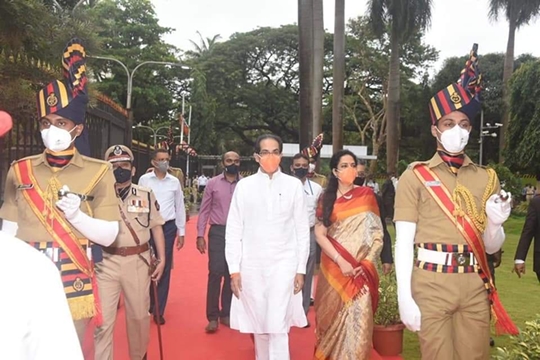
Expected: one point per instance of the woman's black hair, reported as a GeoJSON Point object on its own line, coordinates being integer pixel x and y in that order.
{"type": "Point", "coordinates": [330, 194]}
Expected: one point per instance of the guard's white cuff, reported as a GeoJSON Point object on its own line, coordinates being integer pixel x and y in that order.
{"type": "Point", "coordinates": [519, 262]}
{"type": "Point", "coordinates": [10, 227]}
{"type": "Point", "coordinates": [493, 237]}
{"type": "Point", "coordinates": [98, 231]}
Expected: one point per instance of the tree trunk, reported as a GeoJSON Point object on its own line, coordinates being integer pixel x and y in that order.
{"type": "Point", "coordinates": [339, 76]}
{"type": "Point", "coordinates": [507, 74]}
{"type": "Point", "coordinates": [318, 63]}
{"type": "Point", "coordinates": [392, 138]}
{"type": "Point", "coordinates": [305, 44]}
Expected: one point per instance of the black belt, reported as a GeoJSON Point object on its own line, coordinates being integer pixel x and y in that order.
{"type": "Point", "coordinates": [217, 225]}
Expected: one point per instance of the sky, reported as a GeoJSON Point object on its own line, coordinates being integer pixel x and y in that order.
{"type": "Point", "coordinates": [456, 24]}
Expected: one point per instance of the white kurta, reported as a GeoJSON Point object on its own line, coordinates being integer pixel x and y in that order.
{"type": "Point", "coordinates": [267, 242]}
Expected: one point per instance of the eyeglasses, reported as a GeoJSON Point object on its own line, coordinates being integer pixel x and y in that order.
{"type": "Point", "coordinates": [266, 153]}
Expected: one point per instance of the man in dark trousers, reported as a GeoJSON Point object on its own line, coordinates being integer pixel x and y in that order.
{"type": "Point", "coordinates": [386, 255]}
{"type": "Point", "coordinates": [531, 229]}
{"type": "Point", "coordinates": [388, 194]}
{"type": "Point", "coordinates": [214, 209]}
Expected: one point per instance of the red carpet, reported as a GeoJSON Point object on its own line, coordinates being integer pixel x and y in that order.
{"type": "Point", "coordinates": [183, 334]}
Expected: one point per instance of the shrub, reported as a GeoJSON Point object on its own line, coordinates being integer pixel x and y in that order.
{"type": "Point", "coordinates": [525, 346]}
{"type": "Point", "coordinates": [388, 310]}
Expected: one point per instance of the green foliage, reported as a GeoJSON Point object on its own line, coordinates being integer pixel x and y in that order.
{"type": "Point", "coordinates": [524, 128]}
{"type": "Point", "coordinates": [521, 209]}
{"type": "Point", "coordinates": [130, 32]}
{"type": "Point", "coordinates": [525, 346]}
{"type": "Point", "coordinates": [388, 310]}
{"type": "Point", "coordinates": [509, 181]}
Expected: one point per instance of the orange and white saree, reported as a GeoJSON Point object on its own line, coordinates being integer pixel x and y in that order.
{"type": "Point", "coordinates": [344, 306]}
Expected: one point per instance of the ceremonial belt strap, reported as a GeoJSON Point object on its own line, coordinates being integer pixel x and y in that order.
{"type": "Point", "coordinates": [473, 237]}
{"type": "Point", "coordinates": [51, 218]}
{"type": "Point", "coordinates": [135, 237]}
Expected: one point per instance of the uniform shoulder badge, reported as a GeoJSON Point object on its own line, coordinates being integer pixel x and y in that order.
{"type": "Point", "coordinates": [412, 165]}
{"type": "Point", "coordinates": [142, 188]}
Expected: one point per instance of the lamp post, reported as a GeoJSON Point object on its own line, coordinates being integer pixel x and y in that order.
{"type": "Point", "coordinates": [129, 127]}
{"type": "Point", "coordinates": [485, 132]}
{"type": "Point", "coordinates": [154, 132]}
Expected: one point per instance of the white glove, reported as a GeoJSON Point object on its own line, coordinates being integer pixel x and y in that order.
{"type": "Point", "coordinates": [69, 204]}
{"type": "Point", "coordinates": [498, 210]}
{"type": "Point", "coordinates": [404, 256]}
{"type": "Point", "coordinates": [99, 231]}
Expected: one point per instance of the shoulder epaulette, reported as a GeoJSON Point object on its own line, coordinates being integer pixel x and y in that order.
{"type": "Point", "coordinates": [414, 164]}
{"type": "Point", "coordinates": [96, 161]}
{"type": "Point", "coordinates": [31, 157]}
{"type": "Point", "coordinates": [141, 188]}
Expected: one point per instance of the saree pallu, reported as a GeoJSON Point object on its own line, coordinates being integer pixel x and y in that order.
{"type": "Point", "coordinates": [344, 306]}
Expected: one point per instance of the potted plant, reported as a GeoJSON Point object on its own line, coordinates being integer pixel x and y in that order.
{"type": "Point", "coordinates": [388, 328]}
{"type": "Point", "coordinates": [526, 345]}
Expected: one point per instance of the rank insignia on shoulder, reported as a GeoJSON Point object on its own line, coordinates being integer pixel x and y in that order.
{"type": "Point", "coordinates": [133, 191]}
{"type": "Point", "coordinates": [433, 183]}
{"type": "Point", "coordinates": [25, 186]}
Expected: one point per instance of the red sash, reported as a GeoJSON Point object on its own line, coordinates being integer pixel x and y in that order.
{"type": "Point", "coordinates": [51, 218]}
{"type": "Point", "coordinates": [367, 275]}
{"type": "Point", "coordinates": [441, 195]}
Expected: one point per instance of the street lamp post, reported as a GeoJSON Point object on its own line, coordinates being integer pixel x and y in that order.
{"type": "Point", "coordinates": [485, 132]}
{"type": "Point", "coordinates": [129, 127]}
{"type": "Point", "coordinates": [154, 132]}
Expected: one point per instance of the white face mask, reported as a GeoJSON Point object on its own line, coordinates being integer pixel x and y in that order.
{"type": "Point", "coordinates": [311, 168]}
{"type": "Point", "coordinates": [454, 140]}
{"type": "Point", "coordinates": [56, 139]}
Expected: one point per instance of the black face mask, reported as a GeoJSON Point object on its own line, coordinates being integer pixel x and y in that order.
{"type": "Point", "coordinates": [359, 181]}
{"type": "Point", "coordinates": [122, 175]}
{"type": "Point", "coordinates": [231, 169]}
{"type": "Point", "coordinates": [300, 173]}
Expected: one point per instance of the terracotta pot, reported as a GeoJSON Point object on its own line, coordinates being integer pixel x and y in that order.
{"type": "Point", "coordinates": [388, 340]}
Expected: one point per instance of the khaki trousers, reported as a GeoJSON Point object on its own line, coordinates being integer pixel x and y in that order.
{"type": "Point", "coordinates": [81, 326]}
{"type": "Point", "coordinates": [455, 315]}
{"type": "Point", "coordinates": [128, 275]}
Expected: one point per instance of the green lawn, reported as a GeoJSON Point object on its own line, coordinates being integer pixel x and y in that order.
{"type": "Point", "coordinates": [519, 296]}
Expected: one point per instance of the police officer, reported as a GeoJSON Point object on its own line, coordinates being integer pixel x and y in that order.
{"type": "Point", "coordinates": [313, 153]}
{"type": "Point", "coordinates": [61, 201]}
{"type": "Point", "coordinates": [126, 263]}
{"type": "Point", "coordinates": [453, 211]}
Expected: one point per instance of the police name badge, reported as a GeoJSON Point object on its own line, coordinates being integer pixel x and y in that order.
{"type": "Point", "coordinates": [138, 206]}
{"type": "Point", "coordinates": [433, 183]}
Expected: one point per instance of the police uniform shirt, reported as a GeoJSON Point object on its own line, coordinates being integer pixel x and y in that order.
{"type": "Point", "coordinates": [142, 211]}
{"type": "Point", "coordinates": [78, 174]}
{"type": "Point", "coordinates": [415, 204]}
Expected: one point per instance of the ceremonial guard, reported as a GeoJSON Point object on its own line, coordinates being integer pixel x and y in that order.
{"type": "Point", "coordinates": [128, 266]}
{"type": "Point", "coordinates": [313, 153]}
{"type": "Point", "coordinates": [453, 211]}
{"type": "Point", "coordinates": [61, 201]}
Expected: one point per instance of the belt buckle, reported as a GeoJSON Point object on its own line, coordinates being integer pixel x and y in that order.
{"type": "Point", "coordinates": [462, 259]}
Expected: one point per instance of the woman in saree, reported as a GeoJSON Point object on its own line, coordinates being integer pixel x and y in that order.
{"type": "Point", "coordinates": [349, 231]}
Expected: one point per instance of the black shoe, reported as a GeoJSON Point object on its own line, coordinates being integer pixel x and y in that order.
{"type": "Point", "coordinates": [159, 320]}
{"type": "Point", "coordinates": [491, 342]}
{"type": "Point", "coordinates": [311, 302]}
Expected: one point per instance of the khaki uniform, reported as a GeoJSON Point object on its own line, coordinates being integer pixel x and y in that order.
{"type": "Point", "coordinates": [77, 175]}
{"type": "Point", "coordinates": [319, 179]}
{"type": "Point", "coordinates": [454, 306]}
{"type": "Point", "coordinates": [128, 275]}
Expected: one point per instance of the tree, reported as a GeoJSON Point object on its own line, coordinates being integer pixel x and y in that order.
{"type": "Point", "coordinates": [521, 153]}
{"type": "Point", "coordinates": [311, 61]}
{"type": "Point", "coordinates": [204, 46]}
{"type": "Point", "coordinates": [403, 18]}
{"type": "Point", "coordinates": [517, 13]}
{"type": "Point", "coordinates": [339, 76]}
{"type": "Point", "coordinates": [367, 85]}
{"type": "Point", "coordinates": [130, 32]}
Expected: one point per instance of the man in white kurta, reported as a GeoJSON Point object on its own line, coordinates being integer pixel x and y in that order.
{"type": "Point", "coordinates": [267, 246]}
